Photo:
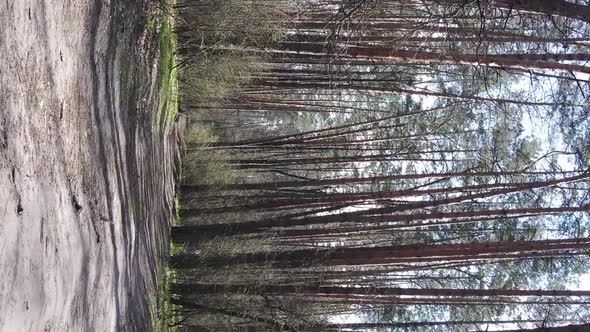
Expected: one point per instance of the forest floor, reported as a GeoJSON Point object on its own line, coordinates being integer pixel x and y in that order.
{"type": "Point", "coordinates": [88, 159]}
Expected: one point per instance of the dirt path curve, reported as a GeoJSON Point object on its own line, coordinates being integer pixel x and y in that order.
{"type": "Point", "coordinates": [86, 183]}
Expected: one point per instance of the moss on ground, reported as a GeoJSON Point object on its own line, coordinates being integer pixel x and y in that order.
{"type": "Point", "coordinates": [163, 314]}
{"type": "Point", "coordinates": [167, 73]}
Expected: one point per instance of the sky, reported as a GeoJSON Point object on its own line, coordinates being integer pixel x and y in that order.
{"type": "Point", "coordinates": [532, 128]}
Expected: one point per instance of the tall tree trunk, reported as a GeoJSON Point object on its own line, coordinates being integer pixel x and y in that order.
{"type": "Point", "coordinates": [567, 328]}
{"type": "Point", "coordinates": [312, 290]}
{"type": "Point", "coordinates": [382, 255]}
{"type": "Point", "coordinates": [546, 61]}
{"type": "Point", "coordinates": [550, 7]}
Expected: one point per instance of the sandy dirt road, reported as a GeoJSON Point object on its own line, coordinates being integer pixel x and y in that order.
{"type": "Point", "coordinates": [86, 181]}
